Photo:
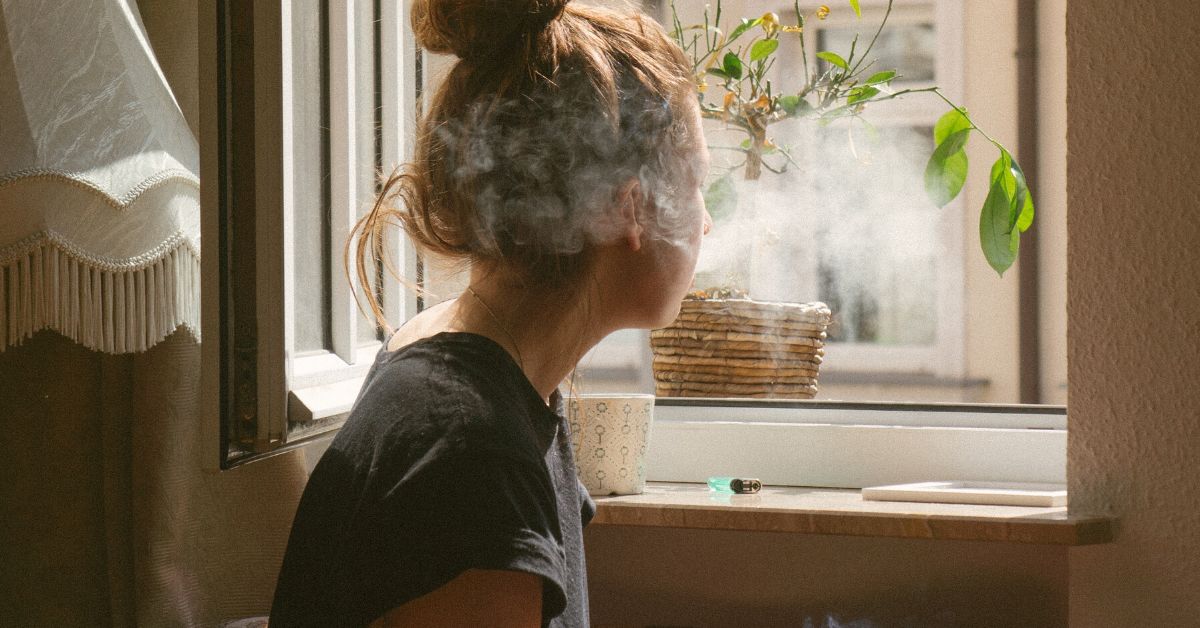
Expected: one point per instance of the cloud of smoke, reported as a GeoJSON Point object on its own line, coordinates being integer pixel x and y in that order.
{"type": "Point", "coordinates": [544, 169]}
{"type": "Point", "coordinates": [849, 224]}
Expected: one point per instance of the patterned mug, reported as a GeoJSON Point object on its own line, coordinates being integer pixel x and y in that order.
{"type": "Point", "coordinates": [609, 434]}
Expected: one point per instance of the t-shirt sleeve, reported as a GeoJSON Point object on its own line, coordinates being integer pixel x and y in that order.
{"type": "Point", "coordinates": [465, 511]}
{"type": "Point", "coordinates": [587, 505]}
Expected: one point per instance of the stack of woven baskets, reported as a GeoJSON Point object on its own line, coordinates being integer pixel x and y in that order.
{"type": "Point", "coordinates": [741, 348]}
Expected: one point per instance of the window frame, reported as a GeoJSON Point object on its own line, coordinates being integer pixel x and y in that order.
{"type": "Point", "coordinates": [264, 396]}
{"type": "Point", "coordinates": [323, 385]}
{"type": "Point", "coordinates": [811, 441]}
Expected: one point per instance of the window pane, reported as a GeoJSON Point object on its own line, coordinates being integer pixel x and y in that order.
{"type": "Point", "coordinates": [366, 121]}
{"type": "Point", "coordinates": [310, 211]}
{"type": "Point", "coordinates": [620, 363]}
{"type": "Point", "coordinates": [918, 315]}
{"type": "Point", "coordinates": [910, 49]}
{"type": "Point", "coordinates": [877, 237]}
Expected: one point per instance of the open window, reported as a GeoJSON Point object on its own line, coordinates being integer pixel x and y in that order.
{"type": "Point", "coordinates": [314, 97]}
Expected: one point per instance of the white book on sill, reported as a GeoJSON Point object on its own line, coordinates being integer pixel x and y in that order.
{"type": "Point", "coordinates": [981, 493]}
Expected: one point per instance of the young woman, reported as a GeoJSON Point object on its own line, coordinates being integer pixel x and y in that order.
{"type": "Point", "coordinates": [563, 160]}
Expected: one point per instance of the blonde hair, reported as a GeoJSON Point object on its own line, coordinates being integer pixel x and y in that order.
{"type": "Point", "coordinates": [549, 108]}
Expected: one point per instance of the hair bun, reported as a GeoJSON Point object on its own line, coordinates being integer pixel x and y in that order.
{"type": "Point", "coordinates": [475, 29]}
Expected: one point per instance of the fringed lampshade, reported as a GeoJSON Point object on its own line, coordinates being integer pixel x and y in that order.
{"type": "Point", "coordinates": [99, 195]}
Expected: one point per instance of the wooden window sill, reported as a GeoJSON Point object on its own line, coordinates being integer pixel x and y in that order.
{"type": "Point", "coordinates": [801, 510]}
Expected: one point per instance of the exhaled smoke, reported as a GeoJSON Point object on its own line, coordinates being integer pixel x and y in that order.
{"type": "Point", "coordinates": [849, 223]}
{"type": "Point", "coordinates": [544, 168]}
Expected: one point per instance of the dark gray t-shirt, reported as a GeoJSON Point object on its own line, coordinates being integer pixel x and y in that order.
{"type": "Point", "coordinates": [449, 461]}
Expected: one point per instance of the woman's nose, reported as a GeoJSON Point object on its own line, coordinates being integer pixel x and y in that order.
{"type": "Point", "coordinates": [708, 222]}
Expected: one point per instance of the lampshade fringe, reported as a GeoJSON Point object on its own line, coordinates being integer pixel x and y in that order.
{"type": "Point", "coordinates": [103, 305]}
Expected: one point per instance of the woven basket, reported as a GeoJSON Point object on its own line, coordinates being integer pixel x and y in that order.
{"type": "Point", "coordinates": [740, 348]}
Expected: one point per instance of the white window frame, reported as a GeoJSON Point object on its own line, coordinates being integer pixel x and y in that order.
{"type": "Point", "coordinates": [322, 386]}
{"type": "Point", "coordinates": [299, 397]}
{"type": "Point", "coordinates": [853, 445]}
{"type": "Point", "coordinates": [800, 443]}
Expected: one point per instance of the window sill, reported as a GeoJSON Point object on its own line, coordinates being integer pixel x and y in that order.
{"type": "Point", "coordinates": [802, 510]}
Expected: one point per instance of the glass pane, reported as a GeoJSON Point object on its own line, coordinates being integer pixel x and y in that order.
{"type": "Point", "coordinates": [620, 363]}
{"type": "Point", "coordinates": [878, 240]}
{"type": "Point", "coordinates": [310, 211]}
{"type": "Point", "coordinates": [366, 120]}
{"type": "Point", "coordinates": [850, 226]}
{"type": "Point", "coordinates": [910, 49]}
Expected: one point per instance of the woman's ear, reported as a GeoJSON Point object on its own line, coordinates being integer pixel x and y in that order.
{"type": "Point", "coordinates": [629, 213]}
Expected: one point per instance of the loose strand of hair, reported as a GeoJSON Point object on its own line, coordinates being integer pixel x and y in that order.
{"type": "Point", "coordinates": [367, 240]}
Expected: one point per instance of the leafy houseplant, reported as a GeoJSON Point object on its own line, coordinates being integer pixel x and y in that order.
{"type": "Point", "coordinates": [725, 344]}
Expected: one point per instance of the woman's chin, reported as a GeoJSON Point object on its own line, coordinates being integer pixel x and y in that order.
{"type": "Point", "coordinates": [668, 314]}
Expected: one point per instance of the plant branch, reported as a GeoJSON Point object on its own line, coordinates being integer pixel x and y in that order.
{"type": "Point", "coordinates": [875, 38]}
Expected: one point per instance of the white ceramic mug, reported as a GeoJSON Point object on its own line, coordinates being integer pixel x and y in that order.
{"type": "Point", "coordinates": [609, 434]}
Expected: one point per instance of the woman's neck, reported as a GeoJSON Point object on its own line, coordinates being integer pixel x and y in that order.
{"type": "Point", "coordinates": [546, 332]}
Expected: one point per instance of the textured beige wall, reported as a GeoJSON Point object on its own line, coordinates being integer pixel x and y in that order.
{"type": "Point", "coordinates": [1134, 308]}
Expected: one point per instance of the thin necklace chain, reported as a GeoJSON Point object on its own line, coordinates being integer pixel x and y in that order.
{"type": "Point", "coordinates": [500, 324]}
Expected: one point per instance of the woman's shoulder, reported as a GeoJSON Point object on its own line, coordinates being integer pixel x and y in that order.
{"type": "Point", "coordinates": [450, 391]}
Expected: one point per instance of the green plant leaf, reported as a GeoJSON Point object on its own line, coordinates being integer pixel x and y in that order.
{"type": "Point", "coordinates": [1021, 214]}
{"type": "Point", "coordinates": [732, 65]}
{"type": "Point", "coordinates": [717, 72]}
{"type": "Point", "coordinates": [861, 93]}
{"type": "Point", "coordinates": [946, 170]}
{"type": "Point", "coordinates": [834, 58]}
{"type": "Point", "coordinates": [881, 77]}
{"type": "Point", "coordinates": [721, 198]}
{"type": "Point", "coordinates": [999, 242]}
{"type": "Point", "coordinates": [762, 48]}
{"type": "Point", "coordinates": [793, 105]}
{"type": "Point", "coordinates": [1001, 174]}
{"type": "Point", "coordinates": [746, 25]}
{"type": "Point", "coordinates": [1025, 217]}
{"type": "Point", "coordinates": [950, 122]}
{"type": "Point", "coordinates": [857, 9]}
{"type": "Point", "coordinates": [1007, 173]}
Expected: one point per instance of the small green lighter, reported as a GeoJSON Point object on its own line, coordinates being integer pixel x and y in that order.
{"type": "Point", "coordinates": [734, 485]}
